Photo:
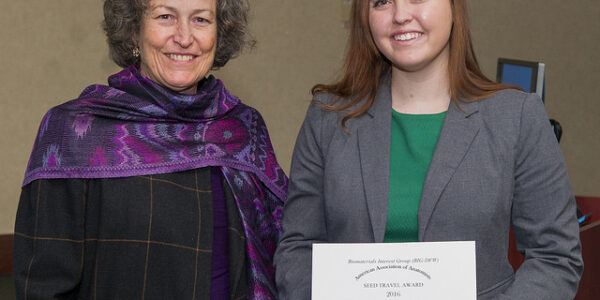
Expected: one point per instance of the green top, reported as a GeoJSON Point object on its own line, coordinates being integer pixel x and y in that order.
{"type": "Point", "coordinates": [412, 145]}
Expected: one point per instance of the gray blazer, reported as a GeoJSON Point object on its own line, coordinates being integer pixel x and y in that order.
{"type": "Point", "coordinates": [496, 164]}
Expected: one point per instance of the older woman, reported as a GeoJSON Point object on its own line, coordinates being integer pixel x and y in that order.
{"type": "Point", "coordinates": [415, 144]}
{"type": "Point", "coordinates": [161, 185]}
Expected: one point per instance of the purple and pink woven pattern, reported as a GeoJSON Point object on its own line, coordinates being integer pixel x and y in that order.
{"type": "Point", "coordinates": [136, 127]}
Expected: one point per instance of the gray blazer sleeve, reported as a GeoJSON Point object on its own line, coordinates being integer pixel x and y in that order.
{"type": "Point", "coordinates": [304, 222]}
{"type": "Point", "coordinates": [543, 213]}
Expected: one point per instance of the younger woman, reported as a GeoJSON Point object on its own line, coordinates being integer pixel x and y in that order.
{"type": "Point", "coordinates": [414, 143]}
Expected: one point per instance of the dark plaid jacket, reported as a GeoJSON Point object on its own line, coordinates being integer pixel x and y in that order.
{"type": "Point", "coordinates": [142, 237]}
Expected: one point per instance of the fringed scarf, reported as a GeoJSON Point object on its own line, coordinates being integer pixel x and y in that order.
{"type": "Point", "coordinates": [135, 127]}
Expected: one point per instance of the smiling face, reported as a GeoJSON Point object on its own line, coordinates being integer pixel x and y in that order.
{"type": "Point", "coordinates": [177, 42]}
{"type": "Point", "coordinates": [412, 34]}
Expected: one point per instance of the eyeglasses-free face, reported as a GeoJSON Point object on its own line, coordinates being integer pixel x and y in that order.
{"type": "Point", "coordinates": [412, 34]}
{"type": "Point", "coordinates": [177, 42]}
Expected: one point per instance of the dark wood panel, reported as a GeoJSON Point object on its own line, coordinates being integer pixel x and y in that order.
{"type": "Point", "coordinates": [589, 289]}
{"type": "Point", "coordinates": [6, 254]}
{"type": "Point", "coordinates": [589, 206]}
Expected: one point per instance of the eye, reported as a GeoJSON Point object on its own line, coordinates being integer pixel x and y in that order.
{"type": "Point", "coordinates": [378, 3]}
{"type": "Point", "coordinates": [203, 19]}
{"type": "Point", "coordinates": [166, 19]}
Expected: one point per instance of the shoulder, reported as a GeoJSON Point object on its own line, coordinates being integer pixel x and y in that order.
{"type": "Point", "coordinates": [322, 129]}
{"type": "Point", "coordinates": [242, 108]}
{"type": "Point", "coordinates": [326, 98]}
{"type": "Point", "coordinates": [511, 104]}
{"type": "Point", "coordinates": [70, 109]}
{"type": "Point", "coordinates": [248, 115]}
{"type": "Point", "coordinates": [509, 100]}
{"type": "Point", "coordinates": [59, 125]}
{"type": "Point", "coordinates": [322, 119]}
{"type": "Point", "coordinates": [512, 113]}
{"type": "Point", "coordinates": [317, 108]}
{"type": "Point", "coordinates": [54, 120]}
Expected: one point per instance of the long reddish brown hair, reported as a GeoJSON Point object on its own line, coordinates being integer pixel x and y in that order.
{"type": "Point", "coordinates": [364, 65]}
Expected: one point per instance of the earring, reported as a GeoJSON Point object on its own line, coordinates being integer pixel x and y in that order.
{"type": "Point", "coordinates": [136, 52]}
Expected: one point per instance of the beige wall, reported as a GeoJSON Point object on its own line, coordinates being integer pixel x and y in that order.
{"type": "Point", "coordinates": [565, 35]}
{"type": "Point", "coordinates": [51, 50]}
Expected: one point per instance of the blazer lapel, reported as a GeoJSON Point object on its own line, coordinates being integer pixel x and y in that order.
{"type": "Point", "coordinates": [458, 132]}
{"type": "Point", "coordinates": [374, 134]}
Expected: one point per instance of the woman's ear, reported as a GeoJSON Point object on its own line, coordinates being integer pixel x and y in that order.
{"type": "Point", "coordinates": [136, 51]}
{"type": "Point", "coordinates": [135, 39]}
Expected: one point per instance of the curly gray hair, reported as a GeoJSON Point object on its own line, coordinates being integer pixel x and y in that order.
{"type": "Point", "coordinates": [122, 21]}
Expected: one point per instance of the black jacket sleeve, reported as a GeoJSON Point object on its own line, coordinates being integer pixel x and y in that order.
{"type": "Point", "coordinates": [49, 239]}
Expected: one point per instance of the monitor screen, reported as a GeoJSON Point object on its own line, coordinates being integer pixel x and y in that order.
{"type": "Point", "coordinates": [524, 74]}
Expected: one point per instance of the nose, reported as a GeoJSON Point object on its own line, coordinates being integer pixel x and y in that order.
{"type": "Point", "coordinates": [183, 36]}
{"type": "Point", "coordinates": [402, 12]}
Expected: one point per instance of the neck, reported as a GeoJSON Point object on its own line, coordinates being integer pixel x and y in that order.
{"type": "Point", "coordinates": [426, 91]}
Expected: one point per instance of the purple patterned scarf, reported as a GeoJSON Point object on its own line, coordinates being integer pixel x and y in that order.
{"type": "Point", "coordinates": [135, 127]}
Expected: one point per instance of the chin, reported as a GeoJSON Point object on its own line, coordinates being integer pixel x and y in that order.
{"type": "Point", "coordinates": [408, 67]}
{"type": "Point", "coordinates": [412, 64]}
{"type": "Point", "coordinates": [183, 88]}
{"type": "Point", "coordinates": [182, 84]}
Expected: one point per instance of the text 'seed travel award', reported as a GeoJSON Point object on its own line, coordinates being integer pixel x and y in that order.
{"type": "Point", "coordinates": [427, 270]}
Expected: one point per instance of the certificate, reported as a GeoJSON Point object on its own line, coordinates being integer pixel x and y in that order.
{"type": "Point", "coordinates": [427, 270]}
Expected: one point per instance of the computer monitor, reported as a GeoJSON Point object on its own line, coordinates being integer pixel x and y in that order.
{"type": "Point", "coordinates": [527, 75]}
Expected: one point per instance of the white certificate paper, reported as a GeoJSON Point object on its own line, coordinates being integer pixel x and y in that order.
{"type": "Point", "coordinates": [427, 270]}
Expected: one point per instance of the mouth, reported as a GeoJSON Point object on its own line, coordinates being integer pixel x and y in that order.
{"type": "Point", "coordinates": [180, 57]}
{"type": "Point", "coordinates": [407, 36]}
